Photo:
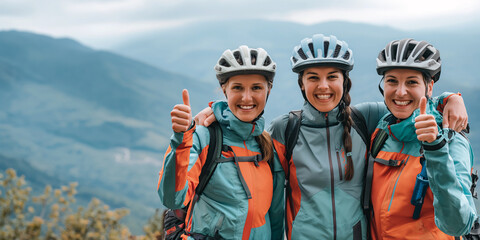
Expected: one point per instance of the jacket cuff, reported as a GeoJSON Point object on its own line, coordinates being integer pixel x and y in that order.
{"type": "Point", "coordinates": [437, 144]}
{"type": "Point", "coordinates": [178, 137]}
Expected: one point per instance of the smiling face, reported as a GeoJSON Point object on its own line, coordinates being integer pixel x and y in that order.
{"type": "Point", "coordinates": [246, 95]}
{"type": "Point", "coordinates": [403, 89]}
{"type": "Point", "coordinates": [323, 87]}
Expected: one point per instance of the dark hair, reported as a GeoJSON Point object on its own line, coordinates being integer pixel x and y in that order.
{"type": "Point", "coordinates": [266, 145]}
{"type": "Point", "coordinates": [344, 117]}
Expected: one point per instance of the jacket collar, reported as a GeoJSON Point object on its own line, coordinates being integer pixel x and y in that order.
{"type": "Point", "coordinates": [314, 118]}
{"type": "Point", "coordinates": [232, 125]}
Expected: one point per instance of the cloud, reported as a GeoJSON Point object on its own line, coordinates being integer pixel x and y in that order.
{"type": "Point", "coordinates": [101, 23]}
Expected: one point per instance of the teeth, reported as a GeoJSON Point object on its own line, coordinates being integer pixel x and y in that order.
{"type": "Point", "coordinates": [246, 107]}
{"type": "Point", "coordinates": [403, 103]}
{"type": "Point", "coordinates": [323, 96]}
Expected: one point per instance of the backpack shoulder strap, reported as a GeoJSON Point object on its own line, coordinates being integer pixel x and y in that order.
{"type": "Point", "coordinates": [214, 151]}
{"type": "Point", "coordinates": [291, 132]}
{"type": "Point", "coordinates": [291, 136]}
{"type": "Point", "coordinates": [360, 124]}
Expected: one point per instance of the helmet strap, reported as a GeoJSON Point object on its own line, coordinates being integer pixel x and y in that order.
{"type": "Point", "coordinates": [380, 86]}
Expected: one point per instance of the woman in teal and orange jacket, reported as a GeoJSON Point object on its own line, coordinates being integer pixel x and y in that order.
{"type": "Point", "coordinates": [421, 173]}
{"type": "Point", "coordinates": [240, 201]}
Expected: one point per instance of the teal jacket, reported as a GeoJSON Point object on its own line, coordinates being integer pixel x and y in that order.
{"type": "Point", "coordinates": [325, 205]}
{"type": "Point", "coordinates": [224, 208]}
{"type": "Point", "coordinates": [448, 207]}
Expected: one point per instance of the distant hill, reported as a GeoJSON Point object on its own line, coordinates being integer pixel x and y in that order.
{"type": "Point", "coordinates": [73, 113]}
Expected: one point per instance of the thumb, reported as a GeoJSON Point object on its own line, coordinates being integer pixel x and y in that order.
{"type": "Point", "coordinates": [186, 98]}
{"type": "Point", "coordinates": [423, 105]}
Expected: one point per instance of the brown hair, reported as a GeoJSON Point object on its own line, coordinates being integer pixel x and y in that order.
{"type": "Point", "coordinates": [344, 117]}
{"type": "Point", "coordinates": [266, 145]}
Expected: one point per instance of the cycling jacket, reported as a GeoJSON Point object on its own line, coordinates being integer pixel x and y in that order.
{"type": "Point", "coordinates": [224, 210]}
{"type": "Point", "coordinates": [325, 206]}
{"type": "Point", "coordinates": [448, 207]}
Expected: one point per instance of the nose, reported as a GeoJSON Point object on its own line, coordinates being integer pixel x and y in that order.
{"type": "Point", "coordinates": [322, 84]}
{"type": "Point", "coordinates": [247, 95]}
{"type": "Point", "coordinates": [401, 90]}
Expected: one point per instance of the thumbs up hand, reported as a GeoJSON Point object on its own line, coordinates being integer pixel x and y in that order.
{"type": "Point", "coordinates": [182, 114]}
{"type": "Point", "coordinates": [427, 130]}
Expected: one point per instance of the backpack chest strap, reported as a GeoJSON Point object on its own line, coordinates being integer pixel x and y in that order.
{"type": "Point", "coordinates": [391, 162]}
{"type": "Point", "coordinates": [256, 158]}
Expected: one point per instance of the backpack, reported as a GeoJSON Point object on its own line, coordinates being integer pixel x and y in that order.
{"type": "Point", "coordinates": [174, 219]}
{"type": "Point", "coordinates": [291, 136]}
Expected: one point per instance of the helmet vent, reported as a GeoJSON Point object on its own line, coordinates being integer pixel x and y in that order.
{"type": "Point", "coordinates": [238, 57]}
{"type": "Point", "coordinates": [310, 46]}
{"type": "Point", "coordinates": [382, 56]}
{"type": "Point", "coordinates": [410, 48]}
{"type": "Point", "coordinates": [325, 47]}
{"type": "Point", "coordinates": [302, 54]}
{"type": "Point", "coordinates": [346, 56]}
{"type": "Point", "coordinates": [253, 57]}
{"type": "Point", "coordinates": [223, 62]}
{"type": "Point", "coordinates": [337, 51]}
{"type": "Point", "coordinates": [394, 52]}
{"type": "Point", "coordinates": [426, 55]}
{"type": "Point", "coordinates": [294, 60]}
{"type": "Point", "coordinates": [267, 61]}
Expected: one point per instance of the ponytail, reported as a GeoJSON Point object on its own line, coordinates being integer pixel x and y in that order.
{"type": "Point", "coordinates": [346, 119]}
{"type": "Point", "coordinates": [266, 145]}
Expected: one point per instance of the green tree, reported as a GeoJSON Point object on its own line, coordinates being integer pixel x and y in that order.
{"type": "Point", "coordinates": [51, 216]}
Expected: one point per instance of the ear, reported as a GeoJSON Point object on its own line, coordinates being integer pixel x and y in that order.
{"type": "Point", "coordinates": [224, 89]}
{"type": "Point", "coordinates": [430, 88]}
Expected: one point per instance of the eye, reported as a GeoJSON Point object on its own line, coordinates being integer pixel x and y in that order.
{"type": "Point", "coordinates": [312, 77]}
{"type": "Point", "coordinates": [332, 77]}
{"type": "Point", "coordinates": [412, 82]}
{"type": "Point", "coordinates": [257, 87]}
{"type": "Point", "coordinates": [391, 80]}
{"type": "Point", "coordinates": [237, 87]}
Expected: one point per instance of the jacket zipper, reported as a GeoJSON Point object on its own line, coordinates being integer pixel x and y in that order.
{"type": "Point", "coordinates": [398, 177]}
{"type": "Point", "coordinates": [339, 165]}
{"type": "Point", "coordinates": [332, 179]}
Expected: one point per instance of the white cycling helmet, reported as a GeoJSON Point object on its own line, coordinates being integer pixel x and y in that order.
{"type": "Point", "coordinates": [321, 51]}
{"type": "Point", "coordinates": [408, 53]}
{"type": "Point", "coordinates": [244, 60]}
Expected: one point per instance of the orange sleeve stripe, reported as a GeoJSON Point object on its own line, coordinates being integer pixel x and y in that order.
{"type": "Point", "coordinates": [281, 151]}
{"type": "Point", "coordinates": [182, 158]}
{"type": "Point", "coordinates": [296, 193]}
{"type": "Point", "coordinates": [193, 176]}
{"type": "Point", "coordinates": [163, 166]}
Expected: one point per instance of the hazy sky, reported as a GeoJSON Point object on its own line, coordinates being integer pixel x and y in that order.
{"type": "Point", "coordinates": [99, 23]}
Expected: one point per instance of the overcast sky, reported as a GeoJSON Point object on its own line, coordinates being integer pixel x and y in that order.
{"type": "Point", "coordinates": [99, 23]}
